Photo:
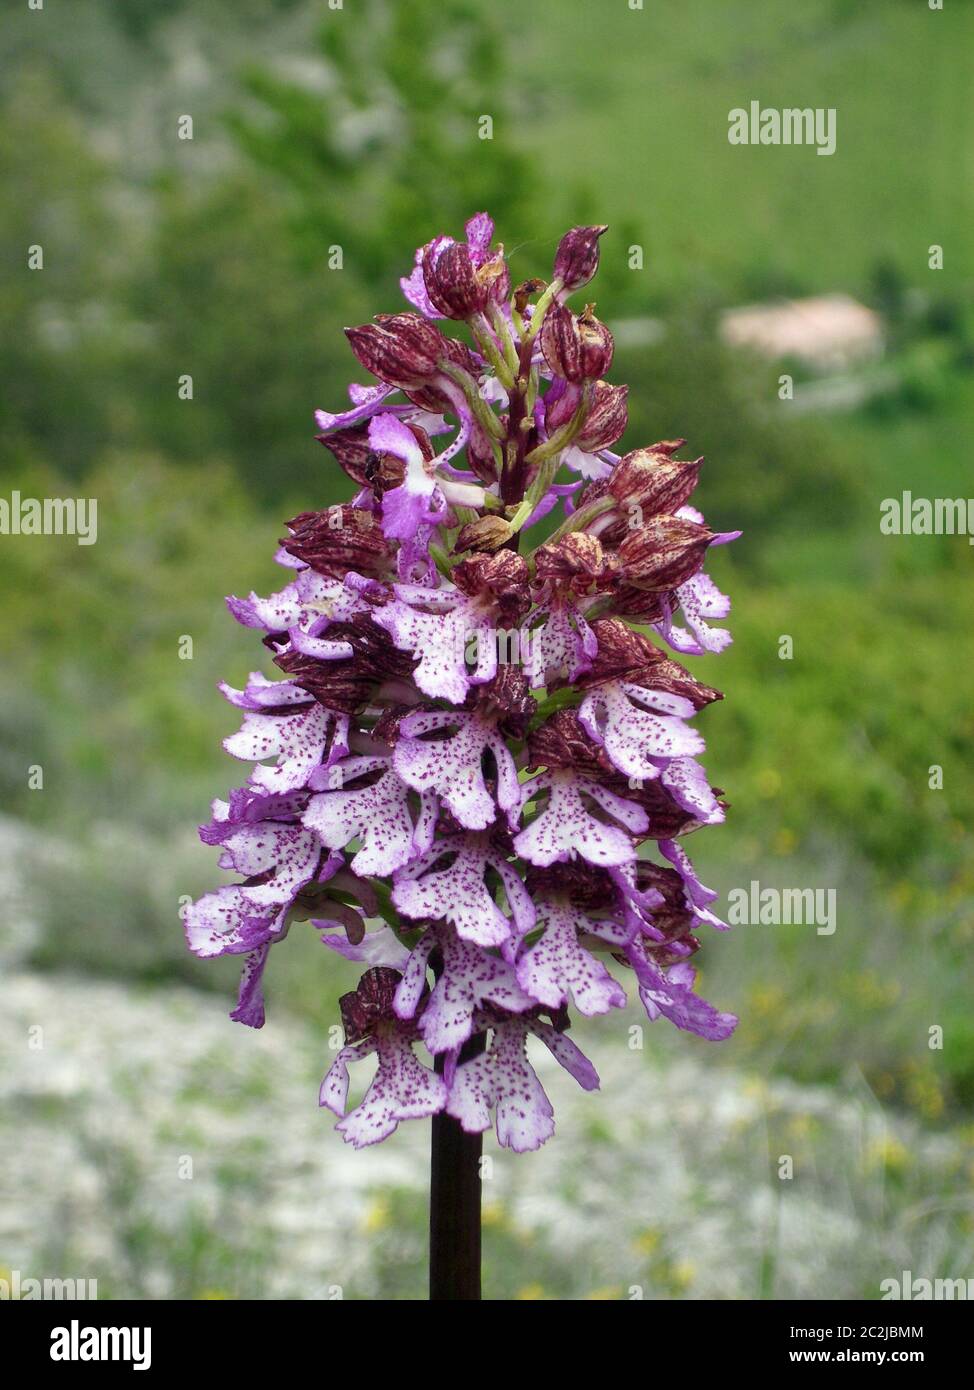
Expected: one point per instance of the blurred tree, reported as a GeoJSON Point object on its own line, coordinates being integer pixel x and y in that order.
{"type": "Point", "coordinates": [257, 329]}
{"type": "Point", "coordinates": [141, 18]}
{"type": "Point", "coordinates": [221, 271]}
{"type": "Point", "coordinates": [61, 338]}
{"type": "Point", "coordinates": [766, 470]}
{"type": "Point", "coordinates": [384, 145]}
{"type": "Point", "coordinates": [374, 151]}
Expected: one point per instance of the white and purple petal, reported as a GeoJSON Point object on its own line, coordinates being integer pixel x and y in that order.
{"type": "Point", "coordinates": [402, 1089]}
{"type": "Point", "coordinates": [378, 815]}
{"type": "Point", "coordinates": [450, 767]}
{"type": "Point", "coordinates": [671, 995]}
{"type": "Point", "coordinates": [457, 894]}
{"type": "Point", "coordinates": [613, 716]}
{"type": "Point", "coordinates": [557, 968]}
{"type": "Point", "coordinates": [298, 742]}
{"type": "Point", "coordinates": [469, 977]}
{"type": "Point", "coordinates": [566, 827]}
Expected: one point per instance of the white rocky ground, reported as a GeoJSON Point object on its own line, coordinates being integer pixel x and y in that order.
{"type": "Point", "coordinates": [662, 1181]}
{"type": "Point", "coordinates": [147, 1141]}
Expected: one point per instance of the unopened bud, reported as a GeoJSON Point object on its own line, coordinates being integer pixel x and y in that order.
{"type": "Point", "coordinates": [500, 579]}
{"type": "Point", "coordinates": [662, 553]}
{"type": "Point", "coordinates": [487, 533]}
{"type": "Point", "coordinates": [574, 562]}
{"type": "Point", "coordinates": [356, 544]}
{"type": "Point", "coordinates": [457, 286]}
{"type": "Point", "coordinates": [352, 449]}
{"type": "Point", "coordinates": [577, 347]}
{"type": "Point", "coordinates": [607, 417]}
{"type": "Point", "coordinates": [401, 349]}
{"type": "Point", "coordinates": [628, 655]}
{"type": "Point", "coordinates": [460, 355]}
{"type": "Point", "coordinates": [480, 456]}
{"type": "Point", "coordinates": [577, 257]}
{"type": "Point", "coordinates": [653, 480]}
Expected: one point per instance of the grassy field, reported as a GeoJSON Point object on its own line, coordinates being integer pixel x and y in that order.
{"type": "Point", "coordinates": [632, 105]}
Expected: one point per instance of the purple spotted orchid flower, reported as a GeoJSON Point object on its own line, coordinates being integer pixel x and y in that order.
{"type": "Point", "coordinates": [478, 771]}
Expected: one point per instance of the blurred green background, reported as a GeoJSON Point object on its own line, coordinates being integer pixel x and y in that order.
{"type": "Point", "coordinates": [357, 127]}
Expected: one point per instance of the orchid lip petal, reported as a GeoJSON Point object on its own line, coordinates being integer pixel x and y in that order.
{"type": "Point", "coordinates": [566, 828]}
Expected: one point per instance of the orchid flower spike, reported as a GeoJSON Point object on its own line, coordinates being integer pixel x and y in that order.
{"type": "Point", "coordinates": [476, 771]}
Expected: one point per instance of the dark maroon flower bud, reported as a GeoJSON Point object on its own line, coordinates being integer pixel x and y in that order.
{"type": "Point", "coordinates": [499, 580]}
{"type": "Point", "coordinates": [347, 684]}
{"type": "Point", "coordinates": [592, 492]}
{"type": "Point", "coordinates": [338, 685]}
{"type": "Point", "coordinates": [431, 396]}
{"type": "Point", "coordinates": [577, 257]}
{"type": "Point", "coordinates": [458, 353]}
{"type": "Point", "coordinates": [375, 654]}
{"type": "Point", "coordinates": [562, 742]}
{"type": "Point", "coordinates": [370, 1003]}
{"type": "Point", "coordinates": [607, 418]}
{"type": "Point", "coordinates": [337, 540]}
{"type": "Point", "coordinates": [638, 605]}
{"type": "Point", "coordinates": [625, 654]}
{"type": "Point", "coordinates": [486, 534]}
{"type": "Point", "coordinates": [584, 885]}
{"type": "Point", "coordinates": [353, 451]}
{"type": "Point", "coordinates": [457, 286]}
{"type": "Point", "coordinates": [572, 564]}
{"type": "Point", "coordinates": [653, 480]}
{"type": "Point", "coordinates": [480, 455]}
{"type": "Point", "coordinates": [506, 697]}
{"type": "Point", "coordinates": [663, 552]}
{"type": "Point", "coordinates": [401, 349]}
{"type": "Point", "coordinates": [577, 347]}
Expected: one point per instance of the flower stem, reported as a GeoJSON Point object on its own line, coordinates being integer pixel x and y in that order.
{"type": "Point", "coordinates": [583, 517]}
{"type": "Point", "coordinates": [485, 416]}
{"type": "Point", "coordinates": [541, 308]}
{"type": "Point", "coordinates": [481, 331]}
{"type": "Point", "coordinates": [563, 437]}
{"type": "Point", "coordinates": [455, 1201]}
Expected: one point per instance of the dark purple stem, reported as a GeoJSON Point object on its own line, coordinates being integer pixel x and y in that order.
{"type": "Point", "coordinates": [455, 1201]}
{"type": "Point", "coordinates": [514, 475]}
